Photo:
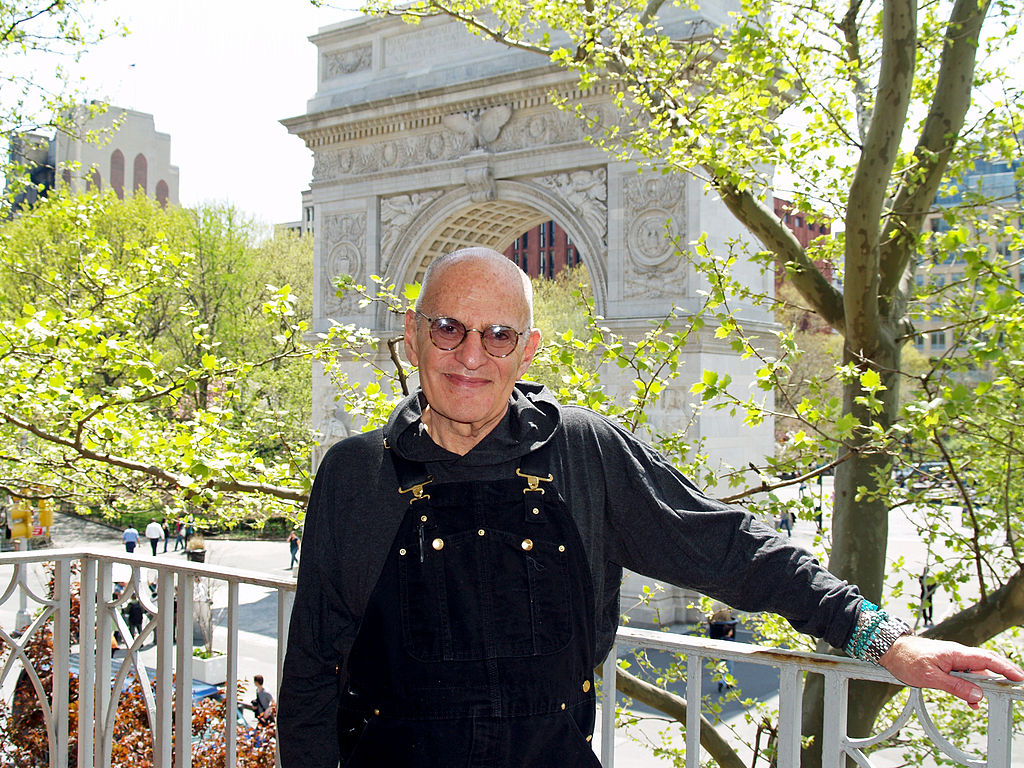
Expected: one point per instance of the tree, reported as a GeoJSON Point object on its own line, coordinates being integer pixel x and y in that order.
{"type": "Point", "coordinates": [34, 35]}
{"type": "Point", "coordinates": [95, 405]}
{"type": "Point", "coordinates": [870, 108]}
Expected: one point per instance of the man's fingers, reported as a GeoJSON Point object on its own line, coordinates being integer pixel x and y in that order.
{"type": "Point", "coordinates": [985, 661]}
{"type": "Point", "coordinates": [963, 689]}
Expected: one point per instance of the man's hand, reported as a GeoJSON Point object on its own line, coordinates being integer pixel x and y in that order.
{"type": "Point", "coordinates": [925, 663]}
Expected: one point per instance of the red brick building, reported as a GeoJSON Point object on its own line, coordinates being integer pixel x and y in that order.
{"type": "Point", "coordinates": [545, 250]}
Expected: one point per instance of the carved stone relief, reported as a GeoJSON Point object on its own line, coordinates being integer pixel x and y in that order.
{"type": "Point", "coordinates": [397, 213]}
{"type": "Point", "coordinates": [587, 192]}
{"type": "Point", "coordinates": [331, 427]}
{"type": "Point", "coordinates": [478, 128]}
{"type": "Point", "coordinates": [656, 211]}
{"type": "Point", "coordinates": [462, 132]}
{"type": "Point", "coordinates": [344, 245]}
{"type": "Point", "coordinates": [341, 63]}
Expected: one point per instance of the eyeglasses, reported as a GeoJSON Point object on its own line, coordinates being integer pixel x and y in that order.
{"type": "Point", "coordinates": [447, 333]}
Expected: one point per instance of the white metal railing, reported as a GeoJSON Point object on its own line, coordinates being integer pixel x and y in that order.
{"type": "Point", "coordinates": [996, 734]}
{"type": "Point", "coordinates": [169, 623]}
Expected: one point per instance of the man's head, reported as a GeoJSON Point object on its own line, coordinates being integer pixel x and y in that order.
{"type": "Point", "coordinates": [258, 679]}
{"type": "Point", "coordinates": [467, 387]}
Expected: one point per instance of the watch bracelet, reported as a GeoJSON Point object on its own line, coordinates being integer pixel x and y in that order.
{"type": "Point", "coordinates": [874, 633]}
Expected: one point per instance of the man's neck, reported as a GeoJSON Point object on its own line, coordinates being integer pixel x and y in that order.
{"type": "Point", "coordinates": [457, 437]}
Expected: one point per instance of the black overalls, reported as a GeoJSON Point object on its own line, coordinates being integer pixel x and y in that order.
{"type": "Point", "coordinates": [477, 645]}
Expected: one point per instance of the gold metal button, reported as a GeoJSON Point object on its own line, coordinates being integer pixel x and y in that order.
{"type": "Point", "coordinates": [563, 705]}
{"type": "Point", "coordinates": [402, 552]}
{"type": "Point", "coordinates": [527, 544]}
{"type": "Point", "coordinates": [590, 736]}
{"type": "Point", "coordinates": [480, 532]}
{"type": "Point", "coordinates": [586, 686]}
{"type": "Point", "coordinates": [376, 712]}
{"type": "Point", "coordinates": [423, 519]}
{"type": "Point", "coordinates": [437, 544]}
{"type": "Point", "coordinates": [561, 548]}
{"type": "Point", "coordinates": [536, 511]}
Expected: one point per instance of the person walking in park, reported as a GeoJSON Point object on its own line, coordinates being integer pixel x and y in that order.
{"type": "Point", "coordinates": [154, 532]}
{"type": "Point", "coordinates": [293, 548]}
{"type": "Point", "coordinates": [462, 565]}
{"type": "Point", "coordinates": [179, 535]}
{"type": "Point", "coordinates": [165, 533]}
{"type": "Point", "coordinates": [134, 616]}
{"type": "Point", "coordinates": [263, 705]}
{"type": "Point", "coordinates": [130, 536]}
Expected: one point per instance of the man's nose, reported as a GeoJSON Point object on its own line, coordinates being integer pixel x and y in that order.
{"type": "Point", "coordinates": [471, 352]}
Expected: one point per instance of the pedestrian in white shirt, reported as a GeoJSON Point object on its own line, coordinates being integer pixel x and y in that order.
{"type": "Point", "coordinates": [154, 532]}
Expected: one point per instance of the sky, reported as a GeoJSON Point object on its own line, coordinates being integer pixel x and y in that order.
{"type": "Point", "coordinates": [218, 76]}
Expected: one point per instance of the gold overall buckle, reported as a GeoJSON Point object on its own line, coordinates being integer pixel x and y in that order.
{"type": "Point", "coordinates": [534, 481]}
{"type": "Point", "coordinates": [417, 490]}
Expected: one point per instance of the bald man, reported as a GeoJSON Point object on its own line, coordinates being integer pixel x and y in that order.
{"type": "Point", "coordinates": [461, 566]}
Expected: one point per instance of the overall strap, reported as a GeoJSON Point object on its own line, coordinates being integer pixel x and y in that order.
{"type": "Point", "coordinates": [535, 469]}
{"type": "Point", "coordinates": [412, 475]}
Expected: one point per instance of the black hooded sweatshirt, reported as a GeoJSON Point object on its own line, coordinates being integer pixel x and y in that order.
{"type": "Point", "coordinates": [633, 510]}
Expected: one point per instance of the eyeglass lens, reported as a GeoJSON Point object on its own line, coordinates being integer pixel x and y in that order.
{"type": "Point", "coordinates": [498, 340]}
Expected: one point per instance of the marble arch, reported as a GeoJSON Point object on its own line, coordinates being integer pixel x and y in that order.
{"type": "Point", "coordinates": [426, 138]}
{"type": "Point", "coordinates": [455, 220]}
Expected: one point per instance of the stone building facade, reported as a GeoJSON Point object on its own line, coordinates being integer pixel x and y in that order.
{"type": "Point", "coordinates": [115, 148]}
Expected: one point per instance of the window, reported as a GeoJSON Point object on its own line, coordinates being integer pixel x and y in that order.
{"type": "Point", "coordinates": [162, 193]}
{"type": "Point", "coordinates": [938, 339]}
{"type": "Point", "coordinates": [543, 237]}
{"type": "Point", "coordinates": [117, 173]}
{"type": "Point", "coordinates": [140, 169]}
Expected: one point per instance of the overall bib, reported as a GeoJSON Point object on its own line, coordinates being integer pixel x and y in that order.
{"type": "Point", "coordinates": [477, 645]}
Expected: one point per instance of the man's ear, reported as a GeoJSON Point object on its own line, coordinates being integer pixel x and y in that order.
{"type": "Point", "coordinates": [529, 350]}
{"type": "Point", "coordinates": [411, 350]}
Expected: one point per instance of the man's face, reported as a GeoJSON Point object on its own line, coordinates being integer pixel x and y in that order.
{"type": "Point", "coordinates": [467, 388]}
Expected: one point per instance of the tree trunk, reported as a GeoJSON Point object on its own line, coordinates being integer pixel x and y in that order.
{"type": "Point", "coordinates": [860, 533]}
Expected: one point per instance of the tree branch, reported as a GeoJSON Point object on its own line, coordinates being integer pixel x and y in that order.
{"type": "Point", "coordinates": [789, 254]}
{"type": "Point", "coordinates": [942, 127]}
{"type": "Point", "coordinates": [675, 707]}
{"type": "Point", "coordinates": [871, 177]}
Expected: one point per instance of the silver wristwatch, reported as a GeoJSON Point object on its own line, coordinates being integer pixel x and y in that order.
{"type": "Point", "coordinates": [885, 635]}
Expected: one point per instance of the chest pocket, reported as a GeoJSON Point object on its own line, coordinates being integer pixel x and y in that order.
{"type": "Point", "coordinates": [484, 593]}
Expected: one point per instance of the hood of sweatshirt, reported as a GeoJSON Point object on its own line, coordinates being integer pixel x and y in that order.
{"type": "Point", "coordinates": [531, 420]}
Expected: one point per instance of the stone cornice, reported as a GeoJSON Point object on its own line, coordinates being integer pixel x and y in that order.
{"type": "Point", "coordinates": [343, 126]}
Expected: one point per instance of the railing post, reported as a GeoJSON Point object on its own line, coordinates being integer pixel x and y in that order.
{"type": "Point", "coordinates": [231, 686]}
{"type": "Point", "coordinates": [694, 683]}
{"type": "Point", "coordinates": [1000, 730]}
{"type": "Point", "coordinates": [790, 706]}
{"type": "Point", "coordinates": [59, 703]}
{"type": "Point", "coordinates": [104, 638]}
{"type": "Point", "coordinates": [284, 613]}
{"type": "Point", "coordinates": [165, 617]}
{"type": "Point", "coordinates": [834, 731]}
{"type": "Point", "coordinates": [86, 662]}
{"type": "Point", "coordinates": [608, 696]}
{"type": "Point", "coordinates": [183, 670]}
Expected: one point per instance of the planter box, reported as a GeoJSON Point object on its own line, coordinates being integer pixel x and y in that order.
{"type": "Point", "coordinates": [213, 670]}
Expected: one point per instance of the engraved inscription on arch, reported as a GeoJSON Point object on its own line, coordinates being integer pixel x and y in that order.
{"type": "Point", "coordinates": [344, 246]}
